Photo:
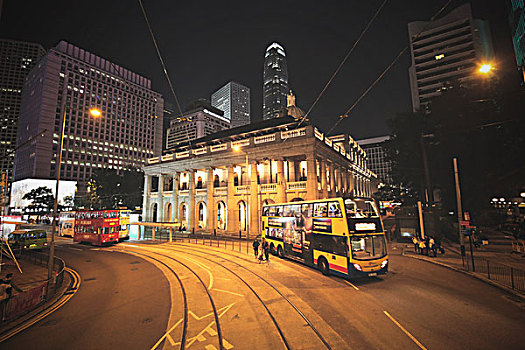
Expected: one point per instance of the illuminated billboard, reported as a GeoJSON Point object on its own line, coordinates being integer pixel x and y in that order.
{"type": "Point", "coordinates": [20, 188]}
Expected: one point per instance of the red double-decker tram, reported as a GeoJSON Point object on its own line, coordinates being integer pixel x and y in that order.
{"type": "Point", "coordinates": [97, 227]}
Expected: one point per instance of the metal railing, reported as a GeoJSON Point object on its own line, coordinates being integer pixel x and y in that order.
{"type": "Point", "coordinates": [21, 303]}
{"type": "Point", "coordinates": [506, 275]}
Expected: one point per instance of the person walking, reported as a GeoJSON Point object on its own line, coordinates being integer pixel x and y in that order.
{"type": "Point", "coordinates": [255, 246]}
{"type": "Point", "coordinates": [266, 250]}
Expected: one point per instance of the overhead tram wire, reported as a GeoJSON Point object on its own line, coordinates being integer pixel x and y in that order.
{"type": "Point", "coordinates": [363, 32]}
{"type": "Point", "coordinates": [363, 95]}
{"type": "Point", "coordinates": [163, 64]}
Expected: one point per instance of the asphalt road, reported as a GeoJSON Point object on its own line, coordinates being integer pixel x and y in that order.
{"type": "Point", "coordinates": [123, 302]}
{"type": "Point", "coordinates": [136, 302]}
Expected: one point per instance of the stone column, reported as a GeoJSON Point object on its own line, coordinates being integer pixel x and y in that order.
{"type": "Point", "coordinates": [232, 206]}
{"type": "Point", "coordinates": [311, 178]}
{"type": "Point", "coordinates": [160, 210]}
{"type": "Point", "coordinates": [145, 198]}
{"type": "Point", "coordinates": [332, 179]}
{"type": "Point", "coordinates": [281, 183]}
{"type": "Point", "coordinates": [175, 197]}
{"type": "Point", "coordinates": [191, 206]}
{"type": "Point", "coordinates": [210, 202]}
{"type": "Point", "coordinates": [324, 185]}
{"type": "Point", "coordinates": [254, 205]}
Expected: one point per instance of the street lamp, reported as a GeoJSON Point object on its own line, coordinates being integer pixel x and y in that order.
{"type": "Point", "coordinates": [50, 265]}
{"type": "Point", "coordinates": [485, 68]}
{"type": "Point", "coordinates": [246, 216]}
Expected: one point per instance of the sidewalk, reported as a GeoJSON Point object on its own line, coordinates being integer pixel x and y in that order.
{"type": "Point", "coordinates": [32, 275]}
{"type": "Point", "coordinates": [502, 270]}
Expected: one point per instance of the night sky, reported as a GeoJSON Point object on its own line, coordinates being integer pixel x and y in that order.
{"type": "Point", "coordinates": [206, 44]}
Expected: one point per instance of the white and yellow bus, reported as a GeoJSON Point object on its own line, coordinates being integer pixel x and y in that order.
{"type": "Point", "coordinates": [66, 223]}
{"type": "Point", "coordinates": [340, 236]}
{"type": "Point", "coordinates": [124, 222]}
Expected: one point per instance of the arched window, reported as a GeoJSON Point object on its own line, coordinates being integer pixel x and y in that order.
{"type": "Point", "coordinates": [201, 212]}
{"type": "Point", "coordinates": [221, 216]}
{"type": "Point", "coordinates": [235, 179]}
{"type": "Point", "coordinates": [154, 212]}
{"type": "Point", "coordinates": [199, 182]}
{"type": "Point", "coordinates": [216, 181]}
{"type": "Point", "coordinates": [242, 216]}
{"type": "Point", "coordinates": [184, 213]}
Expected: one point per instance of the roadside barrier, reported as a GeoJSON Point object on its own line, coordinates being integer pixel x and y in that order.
{"type": "Point", "coordinates": [21, 303]}
{"type": "Point", "coordinates": [506, 275]}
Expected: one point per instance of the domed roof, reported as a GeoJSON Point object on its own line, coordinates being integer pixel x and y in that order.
{"type": "Point", "coordinates": [293, 110]}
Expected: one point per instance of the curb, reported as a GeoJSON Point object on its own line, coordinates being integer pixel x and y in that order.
{"type": "Point", "coordinates": [46, 305]}
{"type": "Point", "coordinates": [473, 275]}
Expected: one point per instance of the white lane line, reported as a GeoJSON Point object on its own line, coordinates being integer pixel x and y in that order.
{"type": "Point", "coordinates": [406, 332]}
{"type": "Point", "coordinates": [81, 250]}
{"type": "Point", "coordinates": [352, 285]}
{"type": "Point", "coordinates": [227, 291]}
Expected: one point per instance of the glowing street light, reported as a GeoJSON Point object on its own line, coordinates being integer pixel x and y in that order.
{"type": "Point", "coordinates": [95, 112]}
{"type": "Point", "coordinates": [485, 68]}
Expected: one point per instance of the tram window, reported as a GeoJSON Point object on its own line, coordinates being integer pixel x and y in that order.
{"type": "Point", "coordinates": [278, 211]}
{"type": "Point", "coordinates": [306, 210]}
{"type": "Point", "coordinates": [287, 210]}
{"type": "Point", "coordinates": [265, 211]}
{"type": "Point", "coordinates": [320, 209]}
{"type": "Point", "coordinates": [334, 210]}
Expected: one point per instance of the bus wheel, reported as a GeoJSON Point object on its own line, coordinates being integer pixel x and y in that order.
{"type": "Point", "coordinates": [323, 266]}
{"type": "Point", "coordinates": [280, 252]}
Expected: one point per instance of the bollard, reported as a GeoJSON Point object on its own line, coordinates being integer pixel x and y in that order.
{"type": "Point", "coordinates": [488, 270]}
{"type": "Point", "coordinates": [171, 234]}
{"type": "Point", "coordinates": [512, 277]}
{"type": "Point", "coordinates": [153, 234]}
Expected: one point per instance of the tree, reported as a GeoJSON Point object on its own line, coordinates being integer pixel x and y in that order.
{"type": "Point", "coordinates": [108, 189]}
{"type": "Point", "coordinates": [42, 200]}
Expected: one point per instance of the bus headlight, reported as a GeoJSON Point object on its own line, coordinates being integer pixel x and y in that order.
{"type": "Point", "coordinates": [45, 244]}
{"type": "Point", "coordinates": [384, 263]}
{"type": "Point", "coordinates": [358, 267]}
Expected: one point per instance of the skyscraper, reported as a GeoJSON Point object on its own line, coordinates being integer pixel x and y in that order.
{"type": "Point", "coordinates": [17, 58]}
{"type": "Point", "coordinates": [275, 81]}
{"type": "Point", "coordinates": [448, 49]}
{"type": "Point", "coordinates": [517, 22]}
{"type": "Point", "coordinates": [71, 80]}
{"type": "Point", "coordinates": [234, 100]}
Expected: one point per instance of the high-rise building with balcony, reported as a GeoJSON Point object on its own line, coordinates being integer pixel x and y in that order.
{"type": "Point", "coordinates": [234, 100]}
{"type": "Point", "coordinates": [17, 58]}
{"type": "Point", "coordinates": [69, 81]}
{"type": "Point", "coordinates": [275, 81]}
{"type": "Point", "coordinates": [445, 51]}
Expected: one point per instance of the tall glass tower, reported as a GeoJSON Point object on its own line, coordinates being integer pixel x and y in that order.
{"type": "Point", "coordinates": [275, 81]}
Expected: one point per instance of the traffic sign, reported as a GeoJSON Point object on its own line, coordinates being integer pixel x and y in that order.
{"type": "Point", "coordinates": [464, 223]}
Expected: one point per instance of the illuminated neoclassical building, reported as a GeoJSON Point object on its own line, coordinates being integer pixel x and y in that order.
{"type": "Point", "coordinates": [220, 182]}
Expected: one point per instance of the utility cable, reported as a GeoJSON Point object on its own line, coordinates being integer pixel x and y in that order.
{"type": "Point", "coordinates": [363, 32]}
{"type": "Point", "coordinates": [345, 115]}
{"type": "Point", "coordinates": [163, 66]}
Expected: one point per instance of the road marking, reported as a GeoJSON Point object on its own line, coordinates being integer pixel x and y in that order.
{"type": "Point", "coordinates": [352, 285]}
{"type": "Point", "coordinates": [64, 299]}
{"type": "Point", "coordinates": [404, 330]}
{"type": "Point", "coordinates": [76, 249]}
{"type": "Point", "coordinates": [199, 336]}
{"type": "Point", "coordinates": [227, 291]}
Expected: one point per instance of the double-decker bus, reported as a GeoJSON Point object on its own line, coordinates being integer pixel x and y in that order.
{"type": "Point", "coordinates": [341, 236]}
{"type": "Point", "coordinates": [124, 224]}
{"type": "Point", "coordinates": [97, 226]}
{"type": "Point", "coordinates": [66, 224]}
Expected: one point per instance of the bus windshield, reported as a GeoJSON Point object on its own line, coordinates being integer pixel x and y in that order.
{"type": "Point", "coordinates": [359, 208]}
{"type": "Point", "coordinates": [368, 247]}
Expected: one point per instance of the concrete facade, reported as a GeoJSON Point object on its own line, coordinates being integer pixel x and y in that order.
{"type": "Point", "coordinates": [223, 180]}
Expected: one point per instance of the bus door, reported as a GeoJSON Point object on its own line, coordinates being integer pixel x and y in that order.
{"type": "Point", "coordinates": [293, 234]}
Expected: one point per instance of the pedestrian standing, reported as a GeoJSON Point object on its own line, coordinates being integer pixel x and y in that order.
{"type": "Point", "coordinates": [266, 250]}
{"type": "Point", "coordinates": [415, 242]}
{"type": "Point", "coordinates": [255, 246]}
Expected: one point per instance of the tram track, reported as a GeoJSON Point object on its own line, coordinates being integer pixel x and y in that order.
{"type": "Point", "coordinates": [185, 299]}
{"type": "Point", "coordinates": [257, 295]}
